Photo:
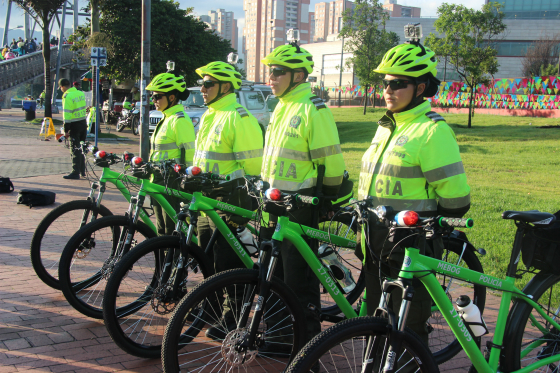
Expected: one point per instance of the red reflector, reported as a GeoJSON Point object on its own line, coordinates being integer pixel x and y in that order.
{"type": "Point", "coordinates": [127, 156]}
{"type": "Point", "coordinates": [273, 194]}
{"type": "Point", "coordinates": [177, 168]}
{"type": "Point", "coordinates": [101, 154]}
{"type": "Point", "coordinates": [193, 171]}
{"type": "Point", "coordinates": [137, 160]}
{"type": "Point", "coordinates": [410, 218]}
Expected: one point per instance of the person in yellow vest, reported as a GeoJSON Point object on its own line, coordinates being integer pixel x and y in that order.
{"type": "Point", "coordinates": [229, 142]}
{"type": "Point", "coordinates": [301, 136]}
{"type": "Point", "coordinates": [75, 126]}
{"type": "Point", "coordinates": [413, 163]}
{"type": "Point", "coordinates": [42, 97]}
{"type": "Point", "coordinates": [173, 138]}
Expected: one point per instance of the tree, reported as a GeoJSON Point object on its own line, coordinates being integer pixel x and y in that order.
{"type": "Point", "coordinates": [176, 35]}
{"type": "Point", "coordinates": [469, 42]}
{"type": "Point", "coordinates": [43, 11]}
{"type": "Point", "coordinates": [367, 40]}
{"type": "Point", "coordinates": [542, 56]}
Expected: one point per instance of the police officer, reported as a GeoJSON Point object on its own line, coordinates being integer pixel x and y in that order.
{"type": "Point", "coordinates": [229, 142]}
{"type": "Point", "coordinates": [302, 135]}
{"type": "Point", "coordinates": [173, 137]}
{"type": "Point", "coordinates": [75, 126]}
{"type": "Point", "coordinates": [413, 163]}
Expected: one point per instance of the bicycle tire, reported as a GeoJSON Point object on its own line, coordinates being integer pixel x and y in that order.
{"type": "Point", "coordinates": [442, 341]}
{"type": "Point", "coordinates": [350, 260]}
{"type": "Point", "coordinates": [60, 218]}
{"type": "Point", "coordinates": [88, 277]}
{"type": "Point", "coordinates": [206, 300]}
{"type": "Point", "coordinates": [120, 126]}
{"type": "Point", "coordinates": [522, 331]}
{"type": "Point", "coordinates": [134, 316]}
{"type": "Point", "coordinates": [135, 125]}
{"type": "Point", "coordinates": [332, 348]}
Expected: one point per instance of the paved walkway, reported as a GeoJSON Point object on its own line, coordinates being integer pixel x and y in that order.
{"type": "Point", "coordinates": [39, 331]}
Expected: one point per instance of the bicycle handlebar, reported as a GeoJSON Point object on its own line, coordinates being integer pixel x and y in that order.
{"type": "Point", "coordinates": [455, 222]}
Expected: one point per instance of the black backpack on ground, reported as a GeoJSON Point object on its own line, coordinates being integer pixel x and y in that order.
{"type": "Point", "coordinates": [32, 197]}
{"type": "Point", "coordinates": [6, 185]}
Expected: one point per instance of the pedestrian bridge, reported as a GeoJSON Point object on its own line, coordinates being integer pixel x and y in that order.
{"type": "Point", "coordinates": [25, 68]}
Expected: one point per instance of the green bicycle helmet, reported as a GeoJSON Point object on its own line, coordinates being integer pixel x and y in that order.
{"type": "Point", "coordinates": [221, 71]}
{"type": "Point", "coordinates": [167, 82]}
{"type": "Point", "coordinates": [292, 56]}
{"type": "Point", "coordinates": [127, 105]}
{"type": "Point", "coordinates": [412, 60]}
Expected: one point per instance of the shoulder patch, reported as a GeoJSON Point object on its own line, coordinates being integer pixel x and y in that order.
{"type": "Point", "coordinates": [242, 112]}
{"type": "Point", "coordinates": [179, 114]}
{"type": "Point", "coordinates": [435, 117]}
{"type": "Point", "coordinates": [318, 102]}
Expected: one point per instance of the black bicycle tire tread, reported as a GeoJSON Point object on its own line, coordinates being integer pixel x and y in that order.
{"type": "Point", "coordinates": [519, 313]}
{"type": "Point", "coordinates": [354, 327]}
{"type": "Point", "coordinates": [111, 322]}
{"type": "Point", "coordinates": [200, 290]}
{"type": "Point", "coordinates": [35, 247]}
{"type": "Point", "coordinates": [68, 252]}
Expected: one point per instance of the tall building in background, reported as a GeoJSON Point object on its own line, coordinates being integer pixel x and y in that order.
{"type": "Point", "coordinates": [396, 10]}
{"type": "Point", "coordinates": [266, 23]}
{"type": "Point", "coordinates": [223, 23]}
{"type": "Point", "coordinates": [530, 9]}
{"type": "Point", "coordinates": [328, 18]}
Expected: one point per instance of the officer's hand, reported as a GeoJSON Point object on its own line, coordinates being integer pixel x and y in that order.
{"type": "Point", "coordinates": [66, 134]}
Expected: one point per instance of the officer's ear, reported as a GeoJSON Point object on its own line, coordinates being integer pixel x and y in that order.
{"type": "Point", "coordinates": [299, 76]}
{"type": "Point", "coordinates": [226, 87]}
{"type": "Point", "coordinates": [420, 89]}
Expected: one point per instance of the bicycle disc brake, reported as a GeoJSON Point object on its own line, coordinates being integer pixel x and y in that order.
{"type": "Point", "coordinates": [232, 351]}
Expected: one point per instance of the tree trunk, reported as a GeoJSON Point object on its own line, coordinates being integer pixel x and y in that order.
{"type": "Point", "coordinates": [365, 101]}
{"type": "Point", "coordinates": [47, 67]}
{"type": "Point", "coordinates": [470, 106]}
{"type": "Point", "coordinates": [373, 93]}
{"type": "Point", "coordinates": [94, 17]}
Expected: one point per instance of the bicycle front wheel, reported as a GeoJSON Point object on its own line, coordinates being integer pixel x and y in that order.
{"type": "Point", "coordinates": [341, 349]}
{"type": "Point", "coordinates": [54, 232]}
{"type": "Point", "coordinates": [90, 257]}
{"type": "Point", "coordinates": [206, 332]}
{"type": "Point", "coordinates": [139, 297]}
{"type": "Point", "coordinates": [531, 338]}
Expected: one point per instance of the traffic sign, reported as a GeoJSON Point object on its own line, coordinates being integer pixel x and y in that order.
{"type": "Point", "coordinates": [99, 52]}
{"type": "Point", "coordinates": [94, 62]}
{"type": "Point", "coordinates": [102, 62]}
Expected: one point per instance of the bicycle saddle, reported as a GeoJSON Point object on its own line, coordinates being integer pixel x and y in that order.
{"type": "Point", "coordinates": [533, 216]}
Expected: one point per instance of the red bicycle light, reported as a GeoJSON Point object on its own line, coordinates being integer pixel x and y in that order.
{"type": "Point", "coordinates": [128, 156]}
{"type": "Point", "coordinates": [177, 168]}
{"type": "Point", "coordinates": [137, 161]}
{"type": "Point", "coordinates": [406, 218]}
{"type": "Point", "coordinates": [193, 171]}
{"type": "Point", "coordinates": [273, 194]}
{"type": "Point", "coordinates": [101, 154]}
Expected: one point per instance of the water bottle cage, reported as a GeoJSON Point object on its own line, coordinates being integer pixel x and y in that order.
{"type": "Point", "coordinates": [473, 323]}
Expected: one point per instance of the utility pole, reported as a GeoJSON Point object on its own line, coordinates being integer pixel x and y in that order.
{"type": "Point", "coordinates": [145, 108]}
{"type": "Point", "coordinates": [58, 60]}
{"type": "Point", "coordinates": [7, 24]}
{"type": "Point", "coordinates": [341, 53]}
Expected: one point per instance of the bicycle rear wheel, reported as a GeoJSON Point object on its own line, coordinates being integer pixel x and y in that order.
{"type": "Point", "coordinates": [54, 232]}
{"type": "Point", "coordinates": [442, 341]}
{"type": "Point", "coordinates": [137, 304]}
{"type": "Point", "coordinates": [219, 301]}
{"type": "Point", "coordinates": [530, 337]}
{"type": "Point", "coordinates": [341, 349]}
{"type": "Point", "coordinates": [90, 257]}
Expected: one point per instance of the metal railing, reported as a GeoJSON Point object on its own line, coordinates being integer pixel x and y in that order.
{"type": "Point", "coordinates": [30, 66]}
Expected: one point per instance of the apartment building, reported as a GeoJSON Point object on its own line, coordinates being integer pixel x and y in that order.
{"type": "Point", "coordinates": [224, 23]}
{"type": "Point", "coordinates": [328, 18]}
{"type": "Point", "coordinates": [266, 24]}
{"type": "Point", "coordinates": [397, 10]}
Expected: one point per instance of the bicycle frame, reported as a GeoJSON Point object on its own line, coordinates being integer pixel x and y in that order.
{"type": "Point", "coordinates": [423, 268]}
{"type": "Point", "coordinates": [294, 232]}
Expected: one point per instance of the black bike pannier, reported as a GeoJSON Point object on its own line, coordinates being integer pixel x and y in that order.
{"type": "Point", "coordinates": [32, 198]}
{"type": "Point", "coordinates": [541, 248]}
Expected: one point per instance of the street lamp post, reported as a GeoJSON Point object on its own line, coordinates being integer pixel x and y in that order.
{"type": "Point", "coordinates": [341, 54]}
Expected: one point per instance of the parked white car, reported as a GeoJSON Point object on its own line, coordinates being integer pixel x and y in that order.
{"type": "Point", "coordinates": [248, 95]}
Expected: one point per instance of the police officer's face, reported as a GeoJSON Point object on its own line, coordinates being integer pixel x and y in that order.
{"type": "Point", "coordinates": [162, 102]}
{"type": "Point", "coordinates": [210, 93]}
{"type": "Point", "coordinates": [280, 83]}
{"type": "Point", "coordinates": [398, 99]}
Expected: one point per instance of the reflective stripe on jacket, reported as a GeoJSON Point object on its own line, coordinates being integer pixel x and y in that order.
{"type": "Point", "coordinates": [173, 137]}
{"type": "Point", "coordinates": [302, 134]}
{"type": "Point", "coordinates": [73, 106]}
{"type": "Point", "coordinates": [230, 140]}
{"type": "Point", "coordinates": [413, 163]}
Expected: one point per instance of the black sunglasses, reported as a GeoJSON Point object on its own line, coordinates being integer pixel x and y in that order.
{"type": "Point", "coordinates": [278, 71]}
{"type": "Point", "coordinates": [208, 83]}
{"type": "Point", "coordinates": [396, 84]}
{"type": "Point", "coordinates": [157, 96]}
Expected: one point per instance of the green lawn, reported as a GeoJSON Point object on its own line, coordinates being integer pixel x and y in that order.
{"type": "Point", "coordinates": [510, 164]}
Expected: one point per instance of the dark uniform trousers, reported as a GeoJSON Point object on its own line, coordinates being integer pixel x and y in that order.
{"type": "Point", "coordinates": [164, 223]}
{"type": "Point", "coordinates": [294, 271]}
{"type": "Point", "coordinates": [392, 258]}
{"type": "Point", "coordinates": [78, 132]}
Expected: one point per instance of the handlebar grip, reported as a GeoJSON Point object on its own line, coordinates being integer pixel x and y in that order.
{"type": "Point", "coordinates": [308, 199]}
{"type": "Point", "coordinates": [455, 222]}
{"type": "Point", "coordinates": [220, 177]}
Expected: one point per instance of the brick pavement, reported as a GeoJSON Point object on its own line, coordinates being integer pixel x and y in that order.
{"type": "Point", "coordinates": [39, 331]}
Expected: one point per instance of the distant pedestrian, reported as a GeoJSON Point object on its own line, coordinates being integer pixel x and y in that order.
{"type": "Point", "coordinates": [42, 99]}
{"type": "Point", "coordinates": [75, 125]}
{"type": "Point", "coordinates": [5, 50]}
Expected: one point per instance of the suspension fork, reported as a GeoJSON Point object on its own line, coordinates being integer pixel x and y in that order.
{"type": "Point", "coordinates": [97, 201]}
{"type": "Point", "coordinates": [127, 235]}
